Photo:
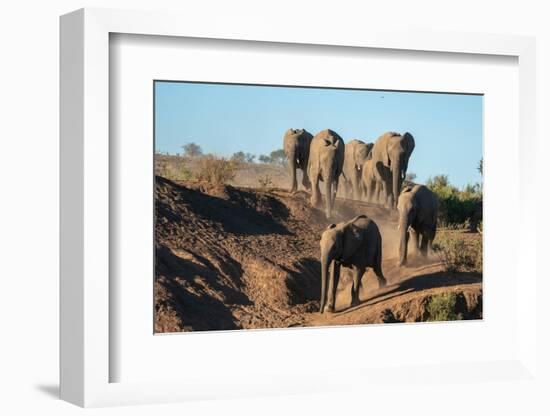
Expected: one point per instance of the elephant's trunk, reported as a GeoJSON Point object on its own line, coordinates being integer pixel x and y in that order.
{"type": "Point", "coordinates": [403, 240]}
{"type": "Point", "coordinates": [326, 259]}
{"type": "Point", "coordinates": [292, 166]}
{"type": "Point", "coordinates": [396, 182]}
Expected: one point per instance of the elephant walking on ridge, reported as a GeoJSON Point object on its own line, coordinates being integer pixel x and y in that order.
{"type": "Point", "coordinates": [296, 144]}
{"type": "Point", "coordinates": [355, 244]}
{"type": "Point", "coordinates": [417, 207]}
{"type": "Point", "coordinates": [326, 161]}
{"type": "Point", "coordinates": [357, 153]}
{"type": "Point", "coordinates": [390, 155]}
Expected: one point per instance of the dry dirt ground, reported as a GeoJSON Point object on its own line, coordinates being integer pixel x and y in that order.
{"type": "Point", "coordinates": [233, 258]}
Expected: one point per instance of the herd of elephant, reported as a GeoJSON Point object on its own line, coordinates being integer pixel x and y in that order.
{"type": "Point", "coordinates": [373, 172]}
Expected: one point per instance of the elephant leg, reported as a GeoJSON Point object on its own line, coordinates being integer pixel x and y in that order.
{"type": "Point", "coordinates": [424, 245]}
{"type": "Point", "coordinates": [377, 192]}
{"type": "Point", "coordinates": [382, 282]}
{"type": "Point", "coordinates": [315, 192]}
{"type": "Point", "coordinates": [365, 191]}
{"type": "Point", "coordinates": [332, 286]}
{"type": "Point", "coordinates": [305, 176]}
{"type": "Point", "coordinates": [357, 274]}
{"type": "Point", "coordinates": [415, 240]}
{"type": "Point", "coordinates": [292, 166]}
{"type": "Point", "coordinates": [348, 186]}
{"type": "Point", "coordinates": [377, 268]}
{"type": "Point", "coordinates": [431, 238]}
{"type": "Point", "coordinates": [383, 198]}
{"type": "Point", "coordinates": [335, 190]}
{"type": "Point", "coordinates": [305, 180]}
{"type": "Point", "coordinates": [345, 187]}
{"type": "Point", "coordinates": [355, 186]}
{"type": "Point", "coordinates": [369, 191]}
{"type": "Point", "coordinates": [404, 246]}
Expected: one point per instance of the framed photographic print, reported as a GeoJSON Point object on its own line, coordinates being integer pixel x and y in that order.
{"type": "Point", "coordinates": [239, 245]}
{"type": "Point", "coordinates": [234, 206]}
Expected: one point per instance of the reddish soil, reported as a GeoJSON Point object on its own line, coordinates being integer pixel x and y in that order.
{"type": "Point", "coordinates": [232, 258]}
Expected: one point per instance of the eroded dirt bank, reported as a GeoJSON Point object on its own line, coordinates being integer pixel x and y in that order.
{"type": "Point", "coordinates": [230, 258]}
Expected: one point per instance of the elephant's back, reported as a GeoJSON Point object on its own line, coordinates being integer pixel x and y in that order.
{"type": "Point", "coordinates": [329, 135]}
{"type": "Point", "coordinates": [319, 141]}
{"type": "Point", "coordinates": [426, 197]}
{"type": "Point", "coordinates": [351, 145]}
{"type": "Point", "coordinates": [354, 142]}
{"type": "Point", "coordinates": [366, 223]}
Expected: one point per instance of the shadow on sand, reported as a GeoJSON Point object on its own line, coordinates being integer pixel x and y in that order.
{"type": "Point", "coordinates": [414, 284]}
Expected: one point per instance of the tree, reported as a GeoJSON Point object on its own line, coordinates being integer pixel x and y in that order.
{"type": "Point", "coordinates": [438, 181]}
{"type": "Point", "coordinates": [264, 159]}
{"type": "Point", "coordinates": [238, 157]}
{"type": "Point", "coordinates": [242, 157]}
{"type": "Point", "coordinates": [278, 157]}
{"type": "Point", "coordinates": [472, 189]}
{"type": "Point", "coordinates": [192, 150]}
{"type": "Point", "coordinates": [410, 177]}
{"type": "Point", "coordinates": [480, 166]}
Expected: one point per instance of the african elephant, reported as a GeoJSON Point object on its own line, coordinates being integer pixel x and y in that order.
{"type": "Point", "coordinates": [390, 155]}
{"type": "Point", "coordinates": [356, 154]}
{"type": "Point", "coordinates": [326, 160]}
{"type": "Point", "coordinates": [296, 145]}
{"type": "Point", "coordinates": [355, 244]}
{"type": "Point", "coordinates": [369, 180]}
{"type": "Point", "coordinates": [417, 208]}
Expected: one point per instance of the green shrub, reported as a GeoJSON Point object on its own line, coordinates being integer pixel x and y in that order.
{"type": "Point", "coordinates": [456, 206]}
{"type": "Point", "coordinates": [442, 308]}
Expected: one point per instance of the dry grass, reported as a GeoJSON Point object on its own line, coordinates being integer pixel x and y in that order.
{"type": "Point", "coordinates": [265, 181]}
{"type": "Point", "coordinates": [460, 251]}
{"type": "Point", "coordinates": [249, 175]}
{"type": "Point", "coordinates": [216, 170]}
{"type": "Point", "coordinates": [175, 168]}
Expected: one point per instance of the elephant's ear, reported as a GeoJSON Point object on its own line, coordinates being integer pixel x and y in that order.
{"type": "Point", "coordinates": [407, 188]}
{"type": "Point", "coordinates": [409, 142]}
{"type": "Point", "coordinates": [352, 238]}
{"type": "Point", "coordinates": [369, 149]}
{"type": "Point", "coordinates": [379, 168]}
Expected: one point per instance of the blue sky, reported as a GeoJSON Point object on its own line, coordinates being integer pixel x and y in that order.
{"type": "Point", "coordinates": [224, 119]}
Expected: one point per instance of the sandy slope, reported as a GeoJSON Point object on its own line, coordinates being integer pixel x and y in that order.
{"type": "Point", "coordinates": [230, 258]}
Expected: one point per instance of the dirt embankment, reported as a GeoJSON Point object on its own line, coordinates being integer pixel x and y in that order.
{"type": "Point", "coordinates": [230, 258]}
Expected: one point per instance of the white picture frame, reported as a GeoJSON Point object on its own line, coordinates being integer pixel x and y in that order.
{"type": "Point", "coordinates": [85, 354]}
